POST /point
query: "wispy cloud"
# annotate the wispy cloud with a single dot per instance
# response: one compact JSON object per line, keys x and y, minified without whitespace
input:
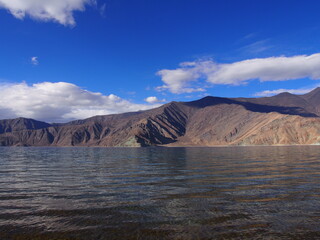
{"x":257,"y":47}
{"x":60,"y":102}
{"x":249,"y":36}
{"x":60,"y":11}
{"x":34,"y":61}
{"x":102,"y":10}
{"x":190,"y":75}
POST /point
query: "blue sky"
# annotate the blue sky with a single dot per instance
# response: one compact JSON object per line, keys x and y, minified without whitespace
{"x":114,"y":55}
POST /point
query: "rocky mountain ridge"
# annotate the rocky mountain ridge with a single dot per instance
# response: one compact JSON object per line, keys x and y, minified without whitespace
{"x":282,"y":119}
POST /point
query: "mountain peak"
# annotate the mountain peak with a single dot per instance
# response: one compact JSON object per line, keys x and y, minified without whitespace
{"x":313,"y":97}
{"x":18,"y":124}
{"x":209,"y":101}
{"x":314,"y":91}
{"x":284,"y":94}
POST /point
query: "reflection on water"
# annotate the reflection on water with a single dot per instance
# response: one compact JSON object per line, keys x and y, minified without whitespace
{"x":160,"y":193}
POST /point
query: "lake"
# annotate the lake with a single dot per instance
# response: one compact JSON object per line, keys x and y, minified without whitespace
{"x":160,"y":193}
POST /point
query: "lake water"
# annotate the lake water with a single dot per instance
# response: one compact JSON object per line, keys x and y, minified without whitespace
{"x":160,"y":193}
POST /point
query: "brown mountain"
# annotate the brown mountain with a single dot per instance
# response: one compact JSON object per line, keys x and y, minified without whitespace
{"x":18,"y":124}
{"x":282,"y":119}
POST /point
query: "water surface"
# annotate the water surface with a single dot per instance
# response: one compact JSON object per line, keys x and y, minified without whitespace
{"x":160,"y":193}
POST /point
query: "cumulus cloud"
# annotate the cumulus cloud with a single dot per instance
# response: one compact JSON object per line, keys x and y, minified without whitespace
{"x":60,"y":11}
{"x":34,"y":61}
{"x":153,"y":99}
{"x":180,"y":80}
{"x":59,"y":102}
{"x":268,"y":93}
{"x":281,"y":68}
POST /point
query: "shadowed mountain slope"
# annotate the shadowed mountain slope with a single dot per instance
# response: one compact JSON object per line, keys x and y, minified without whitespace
{"x":282,"y":119}
{"x":18,"y":124}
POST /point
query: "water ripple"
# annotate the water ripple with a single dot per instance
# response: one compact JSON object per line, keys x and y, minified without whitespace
{"x":160,"y":193}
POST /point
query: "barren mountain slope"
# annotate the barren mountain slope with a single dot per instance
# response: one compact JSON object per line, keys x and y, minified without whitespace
{"x":234,"y":125}
{"x":313,"y":99}
{"x":18,"y":124}
{"x":282,"y":119}
{"x":158,"y":126}
{"x":308,"y":103}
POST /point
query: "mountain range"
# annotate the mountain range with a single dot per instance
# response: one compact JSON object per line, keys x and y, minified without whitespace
{"x":283,"y":119}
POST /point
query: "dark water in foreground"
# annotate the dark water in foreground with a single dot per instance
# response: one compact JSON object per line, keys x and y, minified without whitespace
{"x":160,"y":193}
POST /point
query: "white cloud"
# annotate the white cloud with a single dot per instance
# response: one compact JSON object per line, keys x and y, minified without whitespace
{"x":59,"y":102}
{"x":268,"y":93}
{"x":179,"y":80}
{"x":60,"y":11}
{"x":153,"y":99}
{"x":282,"y":68}
{"x":34,"y":61}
